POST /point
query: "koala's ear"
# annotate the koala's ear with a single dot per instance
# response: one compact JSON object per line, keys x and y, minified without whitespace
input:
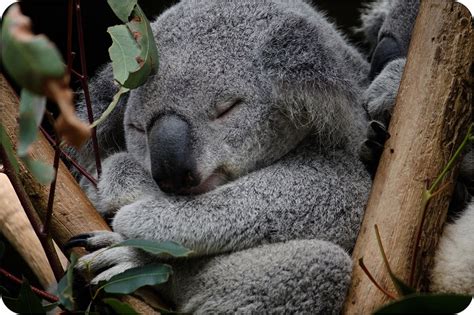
{"x":300,"y":48}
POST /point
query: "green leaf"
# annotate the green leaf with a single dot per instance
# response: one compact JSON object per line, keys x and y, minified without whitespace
{"x":122,"y":8}
{"x":119,"y":307}
{"x":111,"y":107}
{"x":132,"y":279}
{"x":26,"y":302}
{"x":427,"y":304}
{"x":156,"y":248}
{"x":64,"y":290}
{"x":123,"y":52}
{"x":402,"y":288}
{"x":44,"y":173}
{"x":7,"y":145}
{"x":32,"y":108}
{"x":30,"y":60}
{"x":139,"y":26}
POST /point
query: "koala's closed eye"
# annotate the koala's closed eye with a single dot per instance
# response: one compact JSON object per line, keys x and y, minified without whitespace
{"x":224,"y":109}
{"x":136,"y":128}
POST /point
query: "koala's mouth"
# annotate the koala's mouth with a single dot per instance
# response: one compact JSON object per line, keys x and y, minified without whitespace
{"x":216,"y":179}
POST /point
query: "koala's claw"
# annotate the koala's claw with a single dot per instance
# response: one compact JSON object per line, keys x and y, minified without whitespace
{"x":377,"y":132}
{"x":77,"y":241}
{"x":372,"y":148}
{"x":94,"y":240}
{"x":104,"y":261}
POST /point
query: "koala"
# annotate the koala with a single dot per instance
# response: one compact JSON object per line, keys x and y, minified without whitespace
{"x":244,"y":147}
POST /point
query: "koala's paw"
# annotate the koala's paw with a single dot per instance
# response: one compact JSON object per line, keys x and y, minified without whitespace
{"x":104,"y":261}
{"x":371,"y":149}
{"x":380,"y":97}
{"x":123,"y":182}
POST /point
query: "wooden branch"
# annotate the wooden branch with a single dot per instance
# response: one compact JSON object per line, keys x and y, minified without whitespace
{"x":430,"y":119}
{"x":73,"y":212}
{"x":16,"y":228}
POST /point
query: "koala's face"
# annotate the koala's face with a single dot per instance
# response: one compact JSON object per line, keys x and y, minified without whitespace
{"x":208,"y":116}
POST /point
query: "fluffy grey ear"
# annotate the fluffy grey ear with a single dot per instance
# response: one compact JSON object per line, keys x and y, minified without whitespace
{"x":306,"y":49}
{"x":393,"y":18}
{"x":315,"y":74}
{"x":372,"y":18}
{"x":399,"y":22}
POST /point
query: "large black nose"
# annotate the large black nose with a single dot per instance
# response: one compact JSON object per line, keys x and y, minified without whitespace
{"x":172,"y":163}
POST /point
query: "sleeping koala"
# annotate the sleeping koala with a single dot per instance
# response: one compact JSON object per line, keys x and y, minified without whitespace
{"x":244,"y":148}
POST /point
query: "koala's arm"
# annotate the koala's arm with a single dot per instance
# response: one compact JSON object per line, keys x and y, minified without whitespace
{"x":305,"y":195}
{"x":388,"y":26}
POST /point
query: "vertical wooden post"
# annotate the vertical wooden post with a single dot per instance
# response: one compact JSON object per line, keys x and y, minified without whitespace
{"x":430,"y":119}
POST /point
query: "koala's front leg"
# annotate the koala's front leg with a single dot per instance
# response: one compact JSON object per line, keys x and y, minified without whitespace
{"x":124,"y":181}
{"x":305,"y":195}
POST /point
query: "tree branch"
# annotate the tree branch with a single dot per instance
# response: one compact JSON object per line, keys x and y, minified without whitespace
{"x":430,"y":120}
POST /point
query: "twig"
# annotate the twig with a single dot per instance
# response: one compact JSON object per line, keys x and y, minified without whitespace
{"x":52,"y":192}
{"x":428,"y":194}
{"x":69,"y":36}
{"x":372,"y":279}
{"x":79,"y":168}
{"x":32,"y":215}
{"x":85,"y":86}
{"x":43,"y":294}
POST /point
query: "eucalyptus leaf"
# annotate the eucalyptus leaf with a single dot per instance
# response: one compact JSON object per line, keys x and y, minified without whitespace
{"x":135,"y":278}
{"x":427,"y":304}
{"x":26,"y":303}
{"x":123,"y":52}
{"x":7,"y":146}
{"x":139,"y":26}
{"x":32,"y":109}
{"x":44,"y":173}
{"x":156,"y":248}
{"x":120,"y":307}
{"x":64,"y":290}
{"x":122,"y":8}
{"x":30,"y":60}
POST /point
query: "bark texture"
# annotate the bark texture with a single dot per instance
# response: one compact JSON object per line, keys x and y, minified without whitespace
{"x":430,"y":120}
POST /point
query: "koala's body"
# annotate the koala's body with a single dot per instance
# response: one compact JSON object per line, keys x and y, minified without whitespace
{"x":244,"y":148}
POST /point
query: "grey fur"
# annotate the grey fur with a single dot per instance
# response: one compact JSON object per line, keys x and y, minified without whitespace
{"x":380,"y":97}
{"x":275,"y":232}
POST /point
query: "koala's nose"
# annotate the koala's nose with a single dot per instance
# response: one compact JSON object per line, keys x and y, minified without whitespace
{"x":172,"y":163}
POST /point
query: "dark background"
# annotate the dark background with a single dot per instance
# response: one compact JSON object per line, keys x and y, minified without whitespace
{"x":50,"y":17}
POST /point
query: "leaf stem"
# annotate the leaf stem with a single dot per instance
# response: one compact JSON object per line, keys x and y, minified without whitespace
{"x":43,"y":294}
{"x":79,"y":168}
{"x":111,"y":107}
{"x":428,"y":194}
{"x":85,"y":86}
{"x":372,"y":279}
{"x":452,"y":160}
{"x":52,"y":192}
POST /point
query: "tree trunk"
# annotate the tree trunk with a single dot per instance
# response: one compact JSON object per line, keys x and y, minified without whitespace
{"x":73,"y":212}
{"x":430,"y":119}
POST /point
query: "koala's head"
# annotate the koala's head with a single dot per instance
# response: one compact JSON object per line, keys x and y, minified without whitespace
{"x":210,"y":114}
